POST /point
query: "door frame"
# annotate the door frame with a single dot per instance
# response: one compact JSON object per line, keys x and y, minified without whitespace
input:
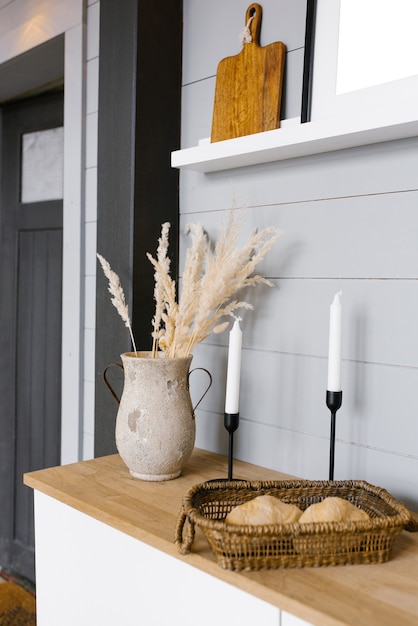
{"x":67,"y":20}
{"x":139,"y":125}
{"x":139,"y":25}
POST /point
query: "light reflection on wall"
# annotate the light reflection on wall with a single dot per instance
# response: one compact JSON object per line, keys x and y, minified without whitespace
{"x":37,"y":29}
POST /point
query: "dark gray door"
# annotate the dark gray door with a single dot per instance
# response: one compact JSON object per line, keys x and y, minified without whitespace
{"x":30,"y":313}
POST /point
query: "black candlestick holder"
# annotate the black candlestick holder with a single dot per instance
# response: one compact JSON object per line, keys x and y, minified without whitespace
{"x":231,"y":423}
{"x":334,"y":400}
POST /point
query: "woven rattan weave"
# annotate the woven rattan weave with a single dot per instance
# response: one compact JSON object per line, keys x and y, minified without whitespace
{"x":291,"y":545}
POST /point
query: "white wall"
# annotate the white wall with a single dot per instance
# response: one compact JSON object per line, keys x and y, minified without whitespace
{"x":350,"y":223}
{"x":92,"y":78}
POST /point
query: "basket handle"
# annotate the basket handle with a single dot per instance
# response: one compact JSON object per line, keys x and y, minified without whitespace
{"x":412,"y":526}
{"x":184,"y":524}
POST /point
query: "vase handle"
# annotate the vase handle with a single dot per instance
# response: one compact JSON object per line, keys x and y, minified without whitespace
{"x":107,"y":383}
{"x":207,"y":388}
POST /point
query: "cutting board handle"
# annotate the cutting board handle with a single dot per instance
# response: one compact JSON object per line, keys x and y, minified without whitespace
{"x":254,"y":13}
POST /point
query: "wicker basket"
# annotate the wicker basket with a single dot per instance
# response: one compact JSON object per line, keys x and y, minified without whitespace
{"x":291,"y":545}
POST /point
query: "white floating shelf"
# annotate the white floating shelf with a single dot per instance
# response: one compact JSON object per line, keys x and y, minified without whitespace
{"x":299,"y":140}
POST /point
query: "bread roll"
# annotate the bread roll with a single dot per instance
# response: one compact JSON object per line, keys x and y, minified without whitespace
{"x":333,"y":509}
{"x":264,"y":510}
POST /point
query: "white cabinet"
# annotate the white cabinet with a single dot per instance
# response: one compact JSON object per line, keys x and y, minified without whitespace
{"x":89,"y":573}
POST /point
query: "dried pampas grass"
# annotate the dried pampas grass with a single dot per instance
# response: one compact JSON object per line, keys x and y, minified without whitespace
{"x":118,"y":296}
{"x":212,"y":276}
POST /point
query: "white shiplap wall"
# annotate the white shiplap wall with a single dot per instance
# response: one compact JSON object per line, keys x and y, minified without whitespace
{"x":92,"y":107}
{"x":350,"y":220}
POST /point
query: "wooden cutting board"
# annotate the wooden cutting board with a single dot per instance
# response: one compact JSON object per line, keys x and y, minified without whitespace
{"x":249,"y":86}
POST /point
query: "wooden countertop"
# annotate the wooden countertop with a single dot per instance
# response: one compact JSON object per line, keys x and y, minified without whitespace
{"x":379,"y":594}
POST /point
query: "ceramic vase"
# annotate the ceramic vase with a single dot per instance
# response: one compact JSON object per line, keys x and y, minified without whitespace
{"x":155,"y":423}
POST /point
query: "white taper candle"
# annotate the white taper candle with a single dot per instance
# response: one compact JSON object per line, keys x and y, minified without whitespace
{"x":335,"y":341}
{"x":234,"y":369}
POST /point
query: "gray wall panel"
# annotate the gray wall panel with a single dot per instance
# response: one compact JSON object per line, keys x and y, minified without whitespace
{"x":287,"y":391}
{"x":376,"y":169}
{"x":350,"y":220}
{"x":213,"y":29}
{"x":359,"y":237}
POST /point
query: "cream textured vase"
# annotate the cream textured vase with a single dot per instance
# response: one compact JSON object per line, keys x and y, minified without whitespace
{"x":155,"y":424}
